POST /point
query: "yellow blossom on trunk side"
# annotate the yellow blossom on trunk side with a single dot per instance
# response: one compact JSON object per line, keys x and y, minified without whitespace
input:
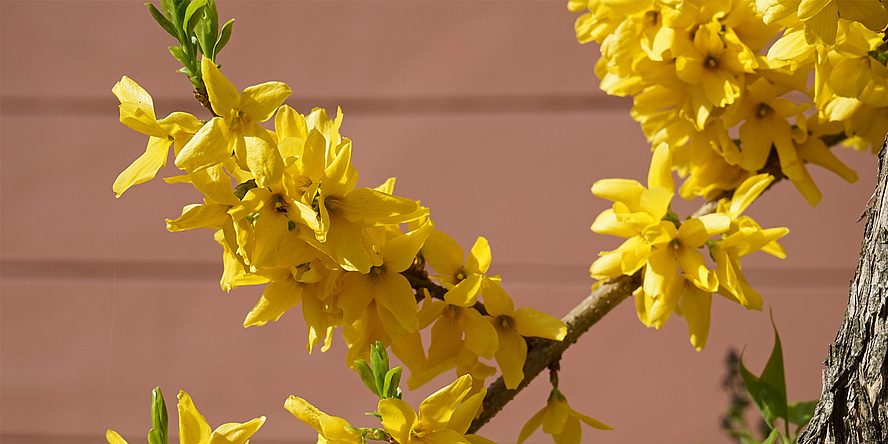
{"x":635,"y":209}
{"x":559,"y":420}
{"x":512,"y":326}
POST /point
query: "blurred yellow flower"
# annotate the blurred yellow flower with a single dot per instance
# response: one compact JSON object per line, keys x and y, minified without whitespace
{"x":559,"y":420}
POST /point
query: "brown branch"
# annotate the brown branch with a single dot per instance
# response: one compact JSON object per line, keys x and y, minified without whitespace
{"x":204,"y":98}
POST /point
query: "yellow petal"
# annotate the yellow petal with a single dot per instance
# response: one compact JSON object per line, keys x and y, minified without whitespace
{"x":210,"y":146}
{"x":871,"y":14}
{"x":303,"y":410}
{"x":748,"y":191}
{"x":443,"y":253}
{"x":607,"y":223}
{"x":619,"y":190}
{"x":223,"y":95}
{"x":279,"y":296}
{"x":263,"y":158}
{"x":660,"y":173}
{"x":394,"y":293}
{"x":399,"y":253}
{"x":366,"y":204}
{"x":464,"y":414}
{"x":693,"y":264}
{"x":592,"y":422}
{"x":530,"y":322}
{"x":236,"y":433}
{"x":555,"y":417}
{"x":398,"y":418}
{"x":695,"y":306}
{"x":193,"y":428}
{"x":141,"y":119}
{"x":145,"y":167}
{"x":571,"y":434}
{"x":481,"y":338}
{"x":465,"y":293}
{"x":436,"y":410}
{"x":479,"y":257}
{"x":128,"y":91}
{"x":496,"y":300}
{"x":261,"y":101}
{"x":114,"y":438}
{"x":693,"y":233}
{"x":510,"y":356}
{"x":199,"y":216}
{"x":531,"y":425}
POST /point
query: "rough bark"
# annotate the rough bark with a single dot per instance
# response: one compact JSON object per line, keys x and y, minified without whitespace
{"x":853,"y":405}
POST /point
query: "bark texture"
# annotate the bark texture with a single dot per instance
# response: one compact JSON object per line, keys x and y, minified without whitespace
{"x":853,"y":405}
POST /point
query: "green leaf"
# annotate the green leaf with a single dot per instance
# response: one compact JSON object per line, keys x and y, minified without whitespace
{"x":392,"y":379}
{"x":800,"y":413}
{"x":159,"y":419}
{"x":169,"y":8}
{"x":772,"y":437}
{"x":162,"y":21}
{"x":193,"y":13}
{"x":224,"y":35}
{"x":379,"y":363}
{"x":366,"y":375}
{"x":180,"y":55}
{"x":768,"y":391}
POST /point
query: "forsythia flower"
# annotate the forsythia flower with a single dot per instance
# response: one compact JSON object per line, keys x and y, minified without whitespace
{"x":137,"y":112}
{"x":559,"y":420}
{"x":511,"y":326}
{"x":236,"y":131}
{"x":435,"y":414}
{"x":462,"y":280}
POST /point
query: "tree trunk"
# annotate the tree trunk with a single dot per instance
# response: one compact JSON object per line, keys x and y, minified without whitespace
{"x":853,"y":406}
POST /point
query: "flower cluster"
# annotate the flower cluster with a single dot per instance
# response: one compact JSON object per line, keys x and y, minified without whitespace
{"x":676,"y":277}
{"x":287,"y":213}
{"x":705,"y":82}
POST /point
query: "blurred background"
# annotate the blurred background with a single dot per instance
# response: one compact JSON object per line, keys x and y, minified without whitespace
{"x":487,"y":111}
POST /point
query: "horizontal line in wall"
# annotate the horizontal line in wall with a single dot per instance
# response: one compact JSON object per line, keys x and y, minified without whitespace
{"x":27,"y":106}
{"x":831,"y":280}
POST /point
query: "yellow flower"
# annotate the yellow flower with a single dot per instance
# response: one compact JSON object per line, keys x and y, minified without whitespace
{"x":744,"y":237}
{"x":137,"y":112}
{"x":236,"y":130}
{"x":458,"y":326}
{"x":635,"y":208}
{"x":764,"y":117}
{"x":821,"y":18}
{"x":674,"y":259}
{"x":682,"y":297}
{"x":435,"y":414}
{"x":713,"y":66}
{"x":462,"y":280}
{"x":331,"y":429}
{"x":559,"y":420}
{"x":343,"y":212}
{"x":511,"y":326}
{"x":193,"y":428}
{"x":386,"y":285}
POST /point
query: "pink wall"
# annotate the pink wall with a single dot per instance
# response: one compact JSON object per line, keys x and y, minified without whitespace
{"x":488,"y":112}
